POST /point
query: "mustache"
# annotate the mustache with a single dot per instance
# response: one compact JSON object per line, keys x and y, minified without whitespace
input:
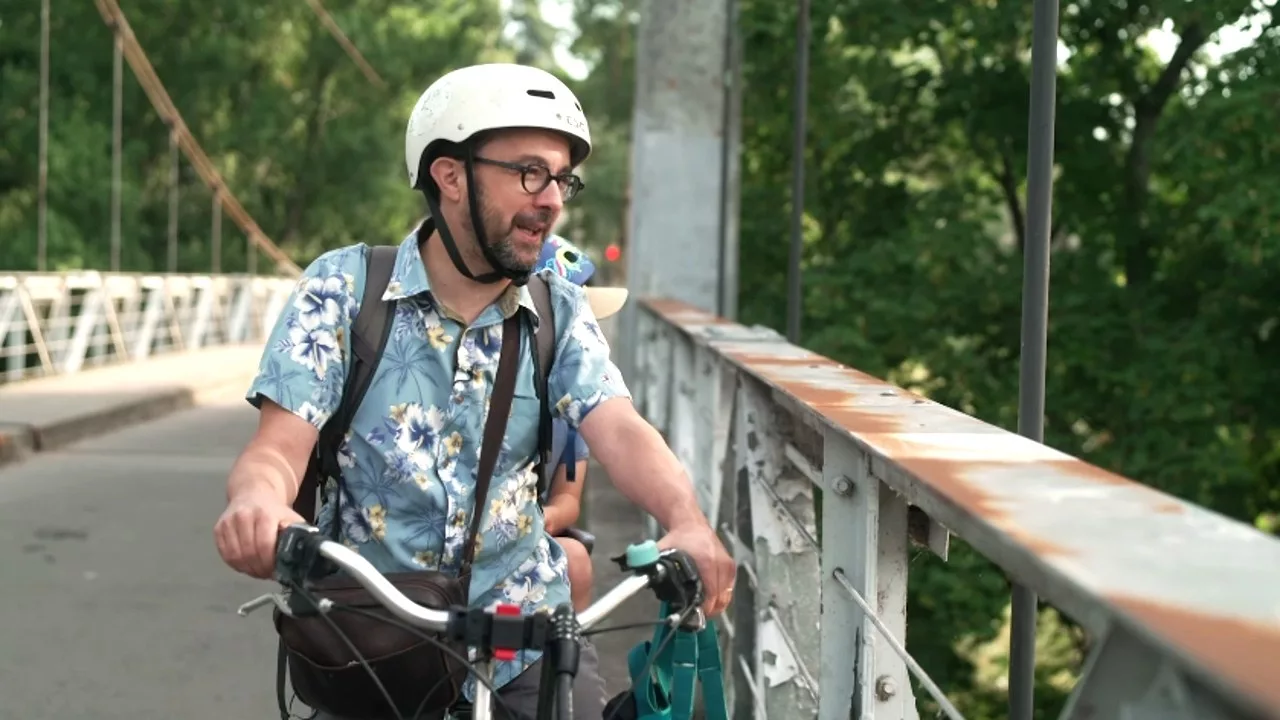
{"x":531,"y":220}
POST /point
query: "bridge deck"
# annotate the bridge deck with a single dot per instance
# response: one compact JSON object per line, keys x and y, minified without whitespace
{"x":117,"y":605}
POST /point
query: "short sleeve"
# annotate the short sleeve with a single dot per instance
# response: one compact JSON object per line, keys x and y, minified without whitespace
{"x":303,"y":362}
{"x":583,"y":376}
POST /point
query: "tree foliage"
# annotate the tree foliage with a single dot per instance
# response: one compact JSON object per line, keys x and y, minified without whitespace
{"x":309,"y":146}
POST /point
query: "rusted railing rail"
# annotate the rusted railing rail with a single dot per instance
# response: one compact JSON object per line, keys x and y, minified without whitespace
{"x":1182,"y":605}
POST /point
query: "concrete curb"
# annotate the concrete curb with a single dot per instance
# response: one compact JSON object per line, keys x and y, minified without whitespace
{"x":19,"y":442}
{"x":16,"y":443}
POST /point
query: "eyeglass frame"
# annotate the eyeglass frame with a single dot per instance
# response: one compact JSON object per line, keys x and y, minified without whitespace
{"x":569,"y":183}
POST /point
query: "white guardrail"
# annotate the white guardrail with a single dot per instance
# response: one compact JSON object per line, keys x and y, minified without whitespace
{"x":57,"y":323}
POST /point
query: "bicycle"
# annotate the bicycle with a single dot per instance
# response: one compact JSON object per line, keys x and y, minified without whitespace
{"x":304,"y":554}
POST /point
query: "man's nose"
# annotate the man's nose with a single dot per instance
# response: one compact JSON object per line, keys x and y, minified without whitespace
{"x":550,"y":197}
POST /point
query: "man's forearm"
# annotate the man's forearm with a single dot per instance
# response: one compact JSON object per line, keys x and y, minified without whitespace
{"x":260,"y":469}
{"x":640,"y":464}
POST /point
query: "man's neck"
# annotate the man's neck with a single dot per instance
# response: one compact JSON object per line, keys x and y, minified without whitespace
{"x":461,"y":295}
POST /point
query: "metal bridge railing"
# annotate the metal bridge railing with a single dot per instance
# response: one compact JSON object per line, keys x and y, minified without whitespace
{"x":1182,"y":606}
{"x":57,"y":323}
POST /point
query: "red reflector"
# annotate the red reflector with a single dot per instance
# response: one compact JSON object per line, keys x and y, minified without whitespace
{"x":506,"y":610}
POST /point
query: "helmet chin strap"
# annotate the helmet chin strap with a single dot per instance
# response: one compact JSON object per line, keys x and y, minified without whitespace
{"x":518,"y":277}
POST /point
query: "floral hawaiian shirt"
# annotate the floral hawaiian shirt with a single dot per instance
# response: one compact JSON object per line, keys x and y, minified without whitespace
{"x":409,"y":461}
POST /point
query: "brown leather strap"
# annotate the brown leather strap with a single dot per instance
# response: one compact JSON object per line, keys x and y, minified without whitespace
{"x":495,"y":427}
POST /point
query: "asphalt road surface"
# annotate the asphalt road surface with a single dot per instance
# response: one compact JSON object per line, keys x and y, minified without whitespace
{"x":115,"y":604}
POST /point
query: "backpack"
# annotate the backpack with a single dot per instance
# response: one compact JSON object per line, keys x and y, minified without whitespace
{"x":370,"y":330}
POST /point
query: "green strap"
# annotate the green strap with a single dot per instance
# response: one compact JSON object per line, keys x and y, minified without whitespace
{"x":684,"y":666}
{"x":710,"y":674}
{"x":689,"y":660}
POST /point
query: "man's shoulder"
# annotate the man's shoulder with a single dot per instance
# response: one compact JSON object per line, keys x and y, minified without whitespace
{"x":347,"y":262}
{"x":566,"y":298}
{"x":562,"y":291}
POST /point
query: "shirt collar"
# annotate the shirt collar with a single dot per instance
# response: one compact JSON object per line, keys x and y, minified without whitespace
{"x":409,"y":278}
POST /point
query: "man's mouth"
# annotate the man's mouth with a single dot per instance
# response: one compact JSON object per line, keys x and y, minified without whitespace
{"x":533,"y":231}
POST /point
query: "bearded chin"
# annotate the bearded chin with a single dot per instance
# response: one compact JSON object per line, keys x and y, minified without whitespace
{"x":504,"y":247}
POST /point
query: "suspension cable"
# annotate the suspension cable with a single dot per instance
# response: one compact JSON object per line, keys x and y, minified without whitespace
{"x":114,"y":17}
{"x":349,"y":47}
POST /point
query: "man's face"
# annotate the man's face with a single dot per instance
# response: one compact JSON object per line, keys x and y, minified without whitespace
{"x":517,"y":221}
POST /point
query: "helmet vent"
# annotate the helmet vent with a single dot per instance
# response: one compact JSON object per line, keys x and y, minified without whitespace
{"x":542,"y":94}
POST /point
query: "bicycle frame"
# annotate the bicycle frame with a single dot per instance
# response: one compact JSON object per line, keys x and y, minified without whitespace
{"x":671,"y":574}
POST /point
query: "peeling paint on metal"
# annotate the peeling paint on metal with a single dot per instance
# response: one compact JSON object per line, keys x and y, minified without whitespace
{"x":772,"y":526}
{"x":789,"y":489}
{"x":778,"y":665}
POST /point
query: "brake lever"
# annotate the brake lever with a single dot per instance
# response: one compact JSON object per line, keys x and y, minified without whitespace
{"x":263,"y":601}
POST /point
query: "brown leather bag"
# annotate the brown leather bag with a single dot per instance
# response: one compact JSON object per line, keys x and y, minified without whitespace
{"x":325,"y":665}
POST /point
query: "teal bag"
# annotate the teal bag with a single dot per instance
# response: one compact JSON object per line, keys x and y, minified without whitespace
{"x":689,"y":659}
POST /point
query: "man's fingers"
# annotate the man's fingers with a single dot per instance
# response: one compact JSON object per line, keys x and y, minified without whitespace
{"x":266,"y":531}
{"x":226,"y":542}
{"x":246,"y":536}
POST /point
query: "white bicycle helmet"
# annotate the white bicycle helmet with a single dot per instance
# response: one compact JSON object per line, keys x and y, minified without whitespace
{"x":476,"y":99}
{"x":493,"y":97}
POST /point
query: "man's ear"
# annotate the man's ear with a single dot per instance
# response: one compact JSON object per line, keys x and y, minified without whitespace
{"x":450,"y":178}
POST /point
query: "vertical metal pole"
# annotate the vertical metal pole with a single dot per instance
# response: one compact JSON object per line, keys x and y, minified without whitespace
{"x":217,"y":234}
{"x":675,"y":163}
{"x":1035,"y":319}
{"x":797,"y":171}
{"x":174,"y":179}
{"x":116,"y":152}
{"x":42,"y":183}
{"x":730,"y":121}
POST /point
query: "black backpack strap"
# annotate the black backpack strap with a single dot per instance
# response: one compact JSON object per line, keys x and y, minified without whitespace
{"x":544,"y":342}
{"x":369,"y":332}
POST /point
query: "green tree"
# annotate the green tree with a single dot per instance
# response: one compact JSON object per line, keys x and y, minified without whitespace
{"x":310,"y":147}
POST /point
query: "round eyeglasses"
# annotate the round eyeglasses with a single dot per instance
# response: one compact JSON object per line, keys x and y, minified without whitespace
{"x":535,"y":178}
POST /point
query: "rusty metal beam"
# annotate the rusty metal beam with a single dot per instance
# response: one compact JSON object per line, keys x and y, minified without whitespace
{"x":1109,"y":551}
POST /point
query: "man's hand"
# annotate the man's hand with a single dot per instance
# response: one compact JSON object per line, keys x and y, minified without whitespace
{"x":246,"y":533}
{"x":715,"y":565}
{"x":551,"y":520}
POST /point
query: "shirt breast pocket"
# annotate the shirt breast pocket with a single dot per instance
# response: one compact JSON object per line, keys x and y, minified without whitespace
{"x":522,"y":423}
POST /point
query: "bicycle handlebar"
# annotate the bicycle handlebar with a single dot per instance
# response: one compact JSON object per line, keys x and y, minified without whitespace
{"x":303,"y":554}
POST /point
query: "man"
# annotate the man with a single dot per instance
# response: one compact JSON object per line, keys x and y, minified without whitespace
{"x":562,"y":505}
{"x":492,"y":147}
